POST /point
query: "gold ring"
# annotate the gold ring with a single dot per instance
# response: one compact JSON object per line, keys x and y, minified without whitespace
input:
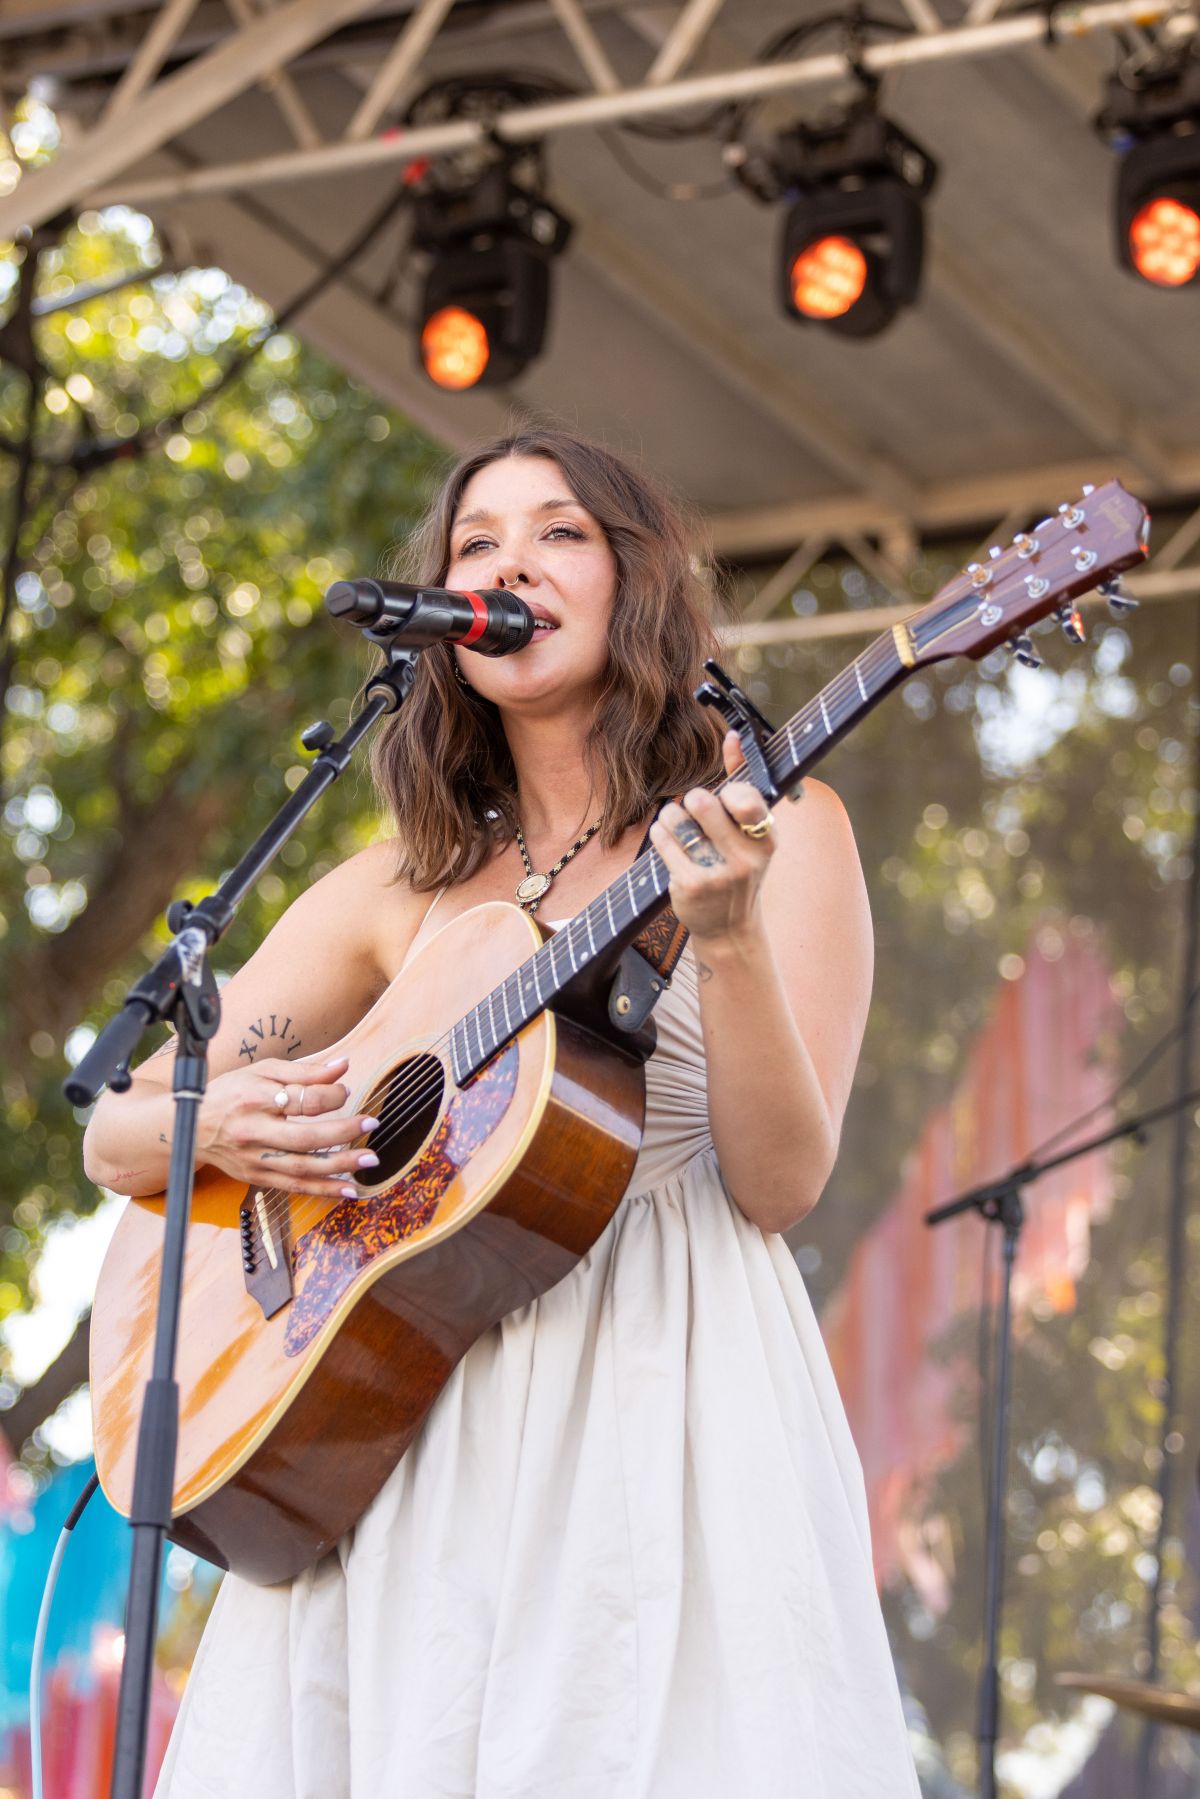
{"x":761,"y":826}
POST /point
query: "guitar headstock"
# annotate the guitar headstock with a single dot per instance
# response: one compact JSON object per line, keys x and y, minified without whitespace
{"x":1085,"y":545}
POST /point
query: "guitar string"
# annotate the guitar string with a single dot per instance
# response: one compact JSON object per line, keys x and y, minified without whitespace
{"x":412,"y":1096}
{"x":392,"y":1122}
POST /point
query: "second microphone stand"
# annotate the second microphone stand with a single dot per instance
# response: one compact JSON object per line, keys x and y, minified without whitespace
{"x":999,"y":1203}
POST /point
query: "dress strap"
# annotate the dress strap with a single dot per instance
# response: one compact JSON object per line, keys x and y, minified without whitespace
{"x":419,"y":934}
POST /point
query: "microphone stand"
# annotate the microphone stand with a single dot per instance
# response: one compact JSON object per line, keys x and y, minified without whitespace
{"x":180,"y":990}
{"x":999,"y":1202}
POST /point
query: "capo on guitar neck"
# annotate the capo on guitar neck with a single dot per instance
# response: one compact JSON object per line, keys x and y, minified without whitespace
{"x":743,"y":716}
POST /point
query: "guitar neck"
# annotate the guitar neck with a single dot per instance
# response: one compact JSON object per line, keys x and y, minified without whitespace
{"x":615,"y":917}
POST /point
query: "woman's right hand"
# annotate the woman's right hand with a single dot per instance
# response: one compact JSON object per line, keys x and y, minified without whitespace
{"x":248,"y":1133}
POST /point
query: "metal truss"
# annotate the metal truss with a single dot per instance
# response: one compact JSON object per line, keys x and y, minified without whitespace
{"x":263,"y":43}
{"x":1169,"y":577}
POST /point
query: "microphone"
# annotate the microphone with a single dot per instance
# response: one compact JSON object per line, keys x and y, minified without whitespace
{"x":494,"y":622}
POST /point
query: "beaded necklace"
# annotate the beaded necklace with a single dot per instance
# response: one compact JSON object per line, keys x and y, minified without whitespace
{"x":534,"y":886}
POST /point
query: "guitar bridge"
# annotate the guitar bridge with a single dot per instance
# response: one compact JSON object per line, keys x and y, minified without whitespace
{"x":263,"y":1227}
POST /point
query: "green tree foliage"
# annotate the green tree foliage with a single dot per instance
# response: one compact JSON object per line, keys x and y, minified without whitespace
{"x":168,"y":645}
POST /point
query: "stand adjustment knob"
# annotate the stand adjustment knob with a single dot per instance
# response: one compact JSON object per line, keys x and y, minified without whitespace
{"x":317,"y":737}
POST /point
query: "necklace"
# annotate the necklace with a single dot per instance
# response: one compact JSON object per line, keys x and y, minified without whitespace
{"x":534,"y":886}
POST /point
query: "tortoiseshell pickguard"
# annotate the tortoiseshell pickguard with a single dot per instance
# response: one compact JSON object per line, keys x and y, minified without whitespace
{"x":329,"y":1256}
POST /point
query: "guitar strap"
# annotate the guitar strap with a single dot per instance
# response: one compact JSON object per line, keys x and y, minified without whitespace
{"x":645,"y":970}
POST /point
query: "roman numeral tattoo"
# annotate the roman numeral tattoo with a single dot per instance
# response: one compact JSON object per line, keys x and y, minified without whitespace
{"x":269,"y":1030}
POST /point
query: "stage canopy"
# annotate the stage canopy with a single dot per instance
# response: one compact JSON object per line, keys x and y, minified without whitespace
{"x":261,"y":137}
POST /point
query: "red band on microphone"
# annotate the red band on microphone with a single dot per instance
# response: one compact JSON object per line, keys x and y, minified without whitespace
{"x":479,"y":608}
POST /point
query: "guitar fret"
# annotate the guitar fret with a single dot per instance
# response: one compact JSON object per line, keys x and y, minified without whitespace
{"x":787,"y":751}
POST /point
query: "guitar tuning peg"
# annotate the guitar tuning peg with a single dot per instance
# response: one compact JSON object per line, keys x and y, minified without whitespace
{"x":1119,"y":602}
{"x":1071,"y":620}
{"x":1023,"y":650}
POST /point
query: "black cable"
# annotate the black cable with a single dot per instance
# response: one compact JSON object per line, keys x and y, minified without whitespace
{"x":853,"y":24}
{"x":1123,"y":1085}
{"x":664,"y":190}
{"x":103,"y":452}
{"x":984,"y":1356}
{"x":19,"y":344}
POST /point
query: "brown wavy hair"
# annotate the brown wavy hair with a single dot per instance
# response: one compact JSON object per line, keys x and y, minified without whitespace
{"x":442,"y":765}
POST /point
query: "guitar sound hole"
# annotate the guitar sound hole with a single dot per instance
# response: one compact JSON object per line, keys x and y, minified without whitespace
{"x":407,"y":1104}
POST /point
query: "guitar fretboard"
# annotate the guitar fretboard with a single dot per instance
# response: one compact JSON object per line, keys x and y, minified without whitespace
{"x":618,"y":914}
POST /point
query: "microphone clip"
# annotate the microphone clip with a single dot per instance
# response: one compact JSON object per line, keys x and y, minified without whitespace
{"x":394,"y":681}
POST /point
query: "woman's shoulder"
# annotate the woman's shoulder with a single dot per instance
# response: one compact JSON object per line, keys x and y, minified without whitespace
{"x":366,"y":900}
{"x":816,"y":817}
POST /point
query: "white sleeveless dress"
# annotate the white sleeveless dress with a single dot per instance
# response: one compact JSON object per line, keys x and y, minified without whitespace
{"x":626,"y":1558}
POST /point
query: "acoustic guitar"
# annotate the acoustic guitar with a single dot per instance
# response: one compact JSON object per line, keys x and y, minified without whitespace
{"x":316,"y":1333}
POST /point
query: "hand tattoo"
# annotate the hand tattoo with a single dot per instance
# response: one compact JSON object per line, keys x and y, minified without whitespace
{"x":706,"y":854}
{"x":697,"y":845}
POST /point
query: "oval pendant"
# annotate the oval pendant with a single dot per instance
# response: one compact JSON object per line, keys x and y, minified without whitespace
{"x":532,"y":888}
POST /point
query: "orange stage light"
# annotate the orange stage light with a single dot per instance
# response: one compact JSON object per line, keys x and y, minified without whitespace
{"x":828,"y":277}
{"x":1164,"y":242}
{"x":454,"y":347}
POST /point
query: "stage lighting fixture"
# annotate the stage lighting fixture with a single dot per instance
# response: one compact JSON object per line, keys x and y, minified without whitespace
{"x":853,"y":235}
{"x":1154,"y":125}
{"x":486,"y":295}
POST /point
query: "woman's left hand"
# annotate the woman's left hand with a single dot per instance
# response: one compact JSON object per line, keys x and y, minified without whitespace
{"x":716,"y":868}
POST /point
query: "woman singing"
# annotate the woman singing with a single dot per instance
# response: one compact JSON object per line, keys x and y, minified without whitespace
{"x":627,"y":1555}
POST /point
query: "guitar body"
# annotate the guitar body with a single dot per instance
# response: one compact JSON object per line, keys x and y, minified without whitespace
{"x":316,"y":1334}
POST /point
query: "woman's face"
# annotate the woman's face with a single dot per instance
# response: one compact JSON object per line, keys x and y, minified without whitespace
{"x":518,"y":525}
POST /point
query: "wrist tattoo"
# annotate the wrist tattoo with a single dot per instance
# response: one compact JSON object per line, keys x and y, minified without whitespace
{"x":269,"y":1028}
{"x":703,"y":970}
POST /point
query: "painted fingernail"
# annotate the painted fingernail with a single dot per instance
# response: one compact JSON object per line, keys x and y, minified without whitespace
{"x":368,"y":1124}
{"x":336,"y":1061}
{"x":368,"y":1161}
{"x":348,"y":1192}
